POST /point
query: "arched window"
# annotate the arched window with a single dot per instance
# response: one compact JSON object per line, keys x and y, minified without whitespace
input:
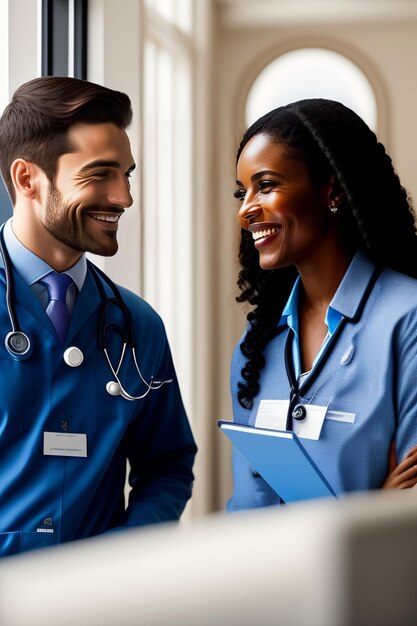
{"x":311,"y":73}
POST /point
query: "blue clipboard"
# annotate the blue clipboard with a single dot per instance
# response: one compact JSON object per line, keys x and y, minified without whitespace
{"x":282,"y":461}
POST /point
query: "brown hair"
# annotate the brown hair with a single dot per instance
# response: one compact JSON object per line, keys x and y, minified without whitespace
{"x":34,"y":126}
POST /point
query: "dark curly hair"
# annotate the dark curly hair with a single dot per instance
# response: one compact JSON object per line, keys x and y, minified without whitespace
{"x":377,"y":213}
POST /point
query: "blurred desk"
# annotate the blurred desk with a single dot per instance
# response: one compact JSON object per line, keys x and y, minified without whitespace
{"x":321,"y":563}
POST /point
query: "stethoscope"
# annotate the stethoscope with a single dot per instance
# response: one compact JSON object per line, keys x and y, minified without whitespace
{"x":19,"y":345}
{"x":299,"y":386}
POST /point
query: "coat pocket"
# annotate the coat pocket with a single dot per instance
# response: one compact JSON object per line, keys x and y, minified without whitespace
{"x":21,"y":541}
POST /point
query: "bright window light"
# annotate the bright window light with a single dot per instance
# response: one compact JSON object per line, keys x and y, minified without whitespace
{"x":311,"y":73}
{"x":176,"y":12}
{"x":167,"y":184}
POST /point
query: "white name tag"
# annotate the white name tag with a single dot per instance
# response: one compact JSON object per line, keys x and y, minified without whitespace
{"x":310,"y":427}
{"x":273,"y":414}
{"x":65,"y":444}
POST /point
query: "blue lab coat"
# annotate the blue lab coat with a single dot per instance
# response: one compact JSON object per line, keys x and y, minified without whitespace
{"x":45,"y":500}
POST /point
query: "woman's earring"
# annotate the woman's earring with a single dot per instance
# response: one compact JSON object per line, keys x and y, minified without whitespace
{"x":332,"y":206}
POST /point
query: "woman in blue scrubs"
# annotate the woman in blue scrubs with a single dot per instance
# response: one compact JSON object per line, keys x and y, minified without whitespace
{"x":328,"y":259}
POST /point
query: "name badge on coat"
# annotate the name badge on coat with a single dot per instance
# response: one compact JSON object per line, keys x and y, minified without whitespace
{"x":65,"y":444}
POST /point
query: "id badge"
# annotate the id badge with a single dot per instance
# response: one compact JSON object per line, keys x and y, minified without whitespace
{"x":273,"y":414}
{"x":65,"y":444}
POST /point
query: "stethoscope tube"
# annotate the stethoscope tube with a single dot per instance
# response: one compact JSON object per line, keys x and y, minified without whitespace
{"x":19,"y":346}
{"x":115,"y":387}
{"x":297,"y":410}
{"x":106,"y":303}
{"x":16,"y":341}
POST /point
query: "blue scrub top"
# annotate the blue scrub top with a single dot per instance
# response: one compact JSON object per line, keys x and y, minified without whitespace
{"x":44,"y":499}
{"x":369,"y":374}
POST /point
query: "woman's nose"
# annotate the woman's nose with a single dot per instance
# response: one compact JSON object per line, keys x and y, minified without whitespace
{"x":249,"y":211}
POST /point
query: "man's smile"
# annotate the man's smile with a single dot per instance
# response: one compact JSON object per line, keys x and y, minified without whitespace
{"x":105,"y":217}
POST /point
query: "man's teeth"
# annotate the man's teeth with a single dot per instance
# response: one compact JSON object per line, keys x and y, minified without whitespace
{"x":105,"y":218}
{"x":264,"y":233}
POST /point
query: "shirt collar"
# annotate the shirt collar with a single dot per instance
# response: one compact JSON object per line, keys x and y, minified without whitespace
{"x":289,"y":315}
{"x":32,"y":268}
{"x":345,"y":302}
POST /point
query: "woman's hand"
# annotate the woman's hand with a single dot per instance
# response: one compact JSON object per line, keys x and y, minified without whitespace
{"x":404,"y":475}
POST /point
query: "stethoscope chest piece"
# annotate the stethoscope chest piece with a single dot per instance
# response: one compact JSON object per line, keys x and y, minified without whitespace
{"x":73,"y":356}
{"x":299,"y":412}
{"x":113,"y":388}
{"x":18,"y":344}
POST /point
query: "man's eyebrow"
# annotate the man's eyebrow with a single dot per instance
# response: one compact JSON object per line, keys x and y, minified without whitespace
{"x":104,"y":163}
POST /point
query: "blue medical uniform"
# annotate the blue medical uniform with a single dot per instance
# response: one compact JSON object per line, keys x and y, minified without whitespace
{"x":46,"y":499}
{"x":368,"y":385}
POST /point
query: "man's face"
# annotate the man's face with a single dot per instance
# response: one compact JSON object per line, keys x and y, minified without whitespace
{"x":91,"y":189}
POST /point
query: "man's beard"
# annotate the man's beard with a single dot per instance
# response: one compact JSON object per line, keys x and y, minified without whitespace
{"x":70,"y":231}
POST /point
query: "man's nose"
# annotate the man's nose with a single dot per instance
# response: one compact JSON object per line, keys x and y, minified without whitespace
{"x":120,"y":194}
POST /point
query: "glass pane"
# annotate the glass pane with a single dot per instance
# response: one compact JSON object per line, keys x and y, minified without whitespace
{"x":164,"y":185}
{"x":311,"y":73}
{"x":159,"y":211}
{"x":184,"y":15}
{"x":166,"y":8}
{"x":177,"y":12}
{"x":150,"y":218}
{"x":167,"y":185}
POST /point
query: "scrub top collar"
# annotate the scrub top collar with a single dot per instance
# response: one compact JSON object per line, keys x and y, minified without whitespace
{"x":32,"y":268}
{"x":345,"y":303}
{"x":290,"y":313}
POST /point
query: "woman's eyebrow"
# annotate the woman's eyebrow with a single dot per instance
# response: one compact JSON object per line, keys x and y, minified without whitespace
{"x":258,"y":175}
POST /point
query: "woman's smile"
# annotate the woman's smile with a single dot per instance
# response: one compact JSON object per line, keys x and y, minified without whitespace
{"x":264,"y":233}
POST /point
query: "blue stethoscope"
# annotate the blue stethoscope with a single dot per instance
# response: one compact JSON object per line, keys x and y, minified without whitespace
{"x":19,"y":345}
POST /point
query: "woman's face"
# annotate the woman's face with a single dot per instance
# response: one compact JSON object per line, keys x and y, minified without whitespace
{"x":286,"y":213}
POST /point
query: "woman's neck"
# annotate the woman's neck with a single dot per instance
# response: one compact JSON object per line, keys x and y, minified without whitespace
{"x":321,"y":278}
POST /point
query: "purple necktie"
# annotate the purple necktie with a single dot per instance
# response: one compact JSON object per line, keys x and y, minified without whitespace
{"x":57,"y":309}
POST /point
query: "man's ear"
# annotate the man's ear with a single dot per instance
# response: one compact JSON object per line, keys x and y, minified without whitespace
{"x":26,"y":177}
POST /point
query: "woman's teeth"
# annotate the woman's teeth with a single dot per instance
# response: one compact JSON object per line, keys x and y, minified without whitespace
{"x":264,"y":233}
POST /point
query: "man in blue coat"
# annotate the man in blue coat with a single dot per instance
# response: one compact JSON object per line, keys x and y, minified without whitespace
{"x":86,"y":375}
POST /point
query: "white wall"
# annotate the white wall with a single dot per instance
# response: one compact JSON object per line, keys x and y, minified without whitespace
{"x":19,"y":60}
